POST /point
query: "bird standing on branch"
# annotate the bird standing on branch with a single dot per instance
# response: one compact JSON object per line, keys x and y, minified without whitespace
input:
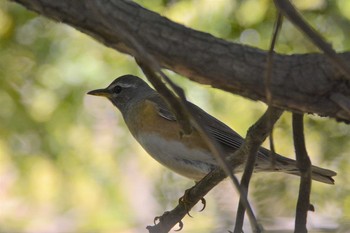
{"x":153,"y":124}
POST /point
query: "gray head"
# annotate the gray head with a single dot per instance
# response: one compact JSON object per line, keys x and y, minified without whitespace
{"x":125,"y":90}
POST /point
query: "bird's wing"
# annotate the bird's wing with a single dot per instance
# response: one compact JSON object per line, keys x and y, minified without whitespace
{"x":162,"y":108}
{"x":217,"y":129}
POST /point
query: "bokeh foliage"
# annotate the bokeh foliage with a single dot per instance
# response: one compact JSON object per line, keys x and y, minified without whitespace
{"x":67,"y":162}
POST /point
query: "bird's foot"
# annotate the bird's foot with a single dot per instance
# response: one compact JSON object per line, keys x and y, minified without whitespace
{"x":159,"y":219}
{"x":185,"y":201}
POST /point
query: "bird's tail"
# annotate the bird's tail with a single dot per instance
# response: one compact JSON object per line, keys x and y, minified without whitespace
{"x":317,"y":173}
{"x":289,"y":166}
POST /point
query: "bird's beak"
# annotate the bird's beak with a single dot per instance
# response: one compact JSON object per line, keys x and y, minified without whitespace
{"x":100,"y":92}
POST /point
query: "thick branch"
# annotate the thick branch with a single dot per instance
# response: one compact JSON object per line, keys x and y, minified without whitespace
{"x":302,"y":83}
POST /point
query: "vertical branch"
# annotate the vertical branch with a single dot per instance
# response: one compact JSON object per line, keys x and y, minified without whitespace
{"x":249,"y":168}
{"x":268,"y":75}
{"x":269,"y":63}
{"x":304,"y":166}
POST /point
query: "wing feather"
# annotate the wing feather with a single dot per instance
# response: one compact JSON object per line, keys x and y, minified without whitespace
{"x":218,"y":130}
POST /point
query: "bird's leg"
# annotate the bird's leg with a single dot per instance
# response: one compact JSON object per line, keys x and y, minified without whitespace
{"x":184,"y":200}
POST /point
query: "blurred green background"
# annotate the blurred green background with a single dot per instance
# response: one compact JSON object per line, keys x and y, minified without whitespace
{"x":68,"y":163}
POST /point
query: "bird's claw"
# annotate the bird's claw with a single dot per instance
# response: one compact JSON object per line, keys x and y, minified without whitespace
{"x":204,"y":202}
{"x":156,"y":219}
{"x":181,"y":225}
{"x":160,"y":218}
{"x":185,"y":202}
{"x":182,"y":200}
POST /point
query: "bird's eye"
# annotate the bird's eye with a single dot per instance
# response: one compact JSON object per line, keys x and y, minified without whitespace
{"x":117,"y":89}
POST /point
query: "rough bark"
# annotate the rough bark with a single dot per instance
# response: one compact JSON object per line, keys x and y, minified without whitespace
{"x":305,"y":83}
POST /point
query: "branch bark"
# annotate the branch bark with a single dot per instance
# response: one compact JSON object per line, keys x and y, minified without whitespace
{"x":304,"y":83}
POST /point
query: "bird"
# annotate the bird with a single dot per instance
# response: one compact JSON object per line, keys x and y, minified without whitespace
{"x":153,"y":124}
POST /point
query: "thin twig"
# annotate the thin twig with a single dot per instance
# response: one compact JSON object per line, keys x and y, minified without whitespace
{"x":269,"y":62}
{"x":268,"y":77}
{"x":304,"y":165}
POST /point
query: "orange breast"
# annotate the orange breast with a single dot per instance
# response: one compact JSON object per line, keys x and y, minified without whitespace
{"x":187,"y":155}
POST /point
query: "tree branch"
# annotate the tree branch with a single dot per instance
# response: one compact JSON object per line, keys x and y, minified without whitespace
{"x":304,"y":166}
{"x":286,"y":8}
{"x":208,"y":60}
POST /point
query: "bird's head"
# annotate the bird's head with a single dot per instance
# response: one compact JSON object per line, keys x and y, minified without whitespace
{"x":124,"y":91}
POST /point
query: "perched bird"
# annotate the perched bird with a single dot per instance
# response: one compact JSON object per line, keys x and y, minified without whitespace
{"x":153,"y":124}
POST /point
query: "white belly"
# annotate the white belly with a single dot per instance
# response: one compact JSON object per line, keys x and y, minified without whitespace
{"x":189,"y":162}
